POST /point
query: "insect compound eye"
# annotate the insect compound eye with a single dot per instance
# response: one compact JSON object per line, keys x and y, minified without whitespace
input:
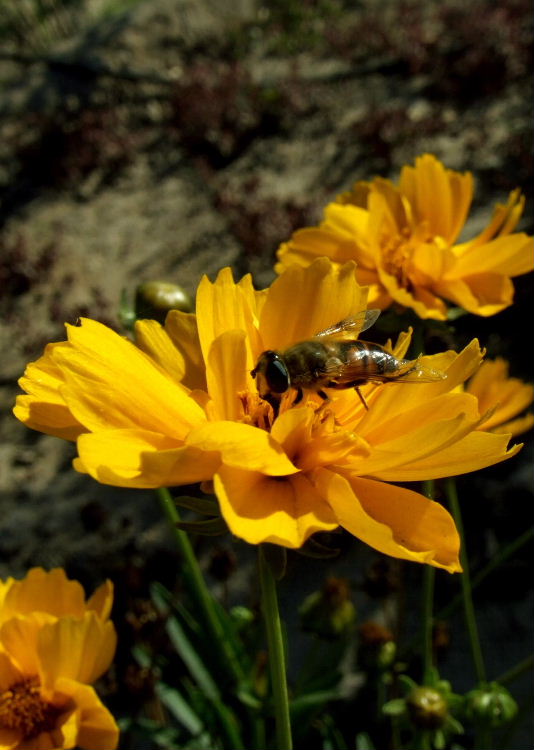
{"x":276,"y":375}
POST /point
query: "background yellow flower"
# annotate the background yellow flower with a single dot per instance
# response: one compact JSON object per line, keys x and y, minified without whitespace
{"x":404,"y":239}
{"x":53,"y":645}
{"x":503,"y":397}
{"x":145,"y":418}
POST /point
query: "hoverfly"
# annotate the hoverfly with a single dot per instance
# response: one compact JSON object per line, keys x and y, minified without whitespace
{"x":334,"y":358}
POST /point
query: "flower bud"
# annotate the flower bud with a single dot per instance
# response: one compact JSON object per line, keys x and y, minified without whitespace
{"x":427,"y":707}
{"x":491,"y":705}
{"x":154,"y":299}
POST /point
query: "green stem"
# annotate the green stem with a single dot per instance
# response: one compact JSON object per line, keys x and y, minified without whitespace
{"x":197,"y":587}
{"x":514,"y":672}
{"x":501,"y":556}
{"x":428,"y":622}
{"x":277,"y":661}
{"x":429,"y":577}
{"x":467,"y":593}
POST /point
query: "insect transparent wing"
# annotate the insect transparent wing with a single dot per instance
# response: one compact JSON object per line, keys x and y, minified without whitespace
{"x":351,"y":326}
{"x":412,"y":371}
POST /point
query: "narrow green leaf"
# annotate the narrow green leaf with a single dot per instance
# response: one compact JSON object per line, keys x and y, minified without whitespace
{"x":191,"y":659}
{"x":179,"y":708}
{"x":311,"y":700}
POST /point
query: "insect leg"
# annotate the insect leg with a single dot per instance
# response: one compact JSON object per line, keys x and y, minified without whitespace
{"x":298,"y":397}
{"x":360,"y":394}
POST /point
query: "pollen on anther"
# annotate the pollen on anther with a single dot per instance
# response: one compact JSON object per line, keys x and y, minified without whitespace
{"x":23,"y":709}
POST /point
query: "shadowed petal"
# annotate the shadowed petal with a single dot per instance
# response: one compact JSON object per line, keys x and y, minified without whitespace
{"x":90,"y":725}
{"x":80,"y":649}
{"x":284,"y":510}
{"x":473,"y":452}
{"x":393,"y":520}
{"x":325,"y":296}
{"x":138,"y":458}
{"x":227,"y":375}
{"x":242,"y":446}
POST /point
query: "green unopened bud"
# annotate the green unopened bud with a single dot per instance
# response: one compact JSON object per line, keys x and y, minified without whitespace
{"x":154,"y":299}
{"x":328,"y":612}
{"x":427,"y":707}
{"x":491,"y":705}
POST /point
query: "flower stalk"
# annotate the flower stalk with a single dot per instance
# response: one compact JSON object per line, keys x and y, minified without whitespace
{"x":429,"y":577}
{"x":277,"y":660}
{"x":197,"y":586}
{"x":467,"y":594}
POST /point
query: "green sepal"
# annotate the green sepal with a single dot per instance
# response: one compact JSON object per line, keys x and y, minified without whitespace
{"x":209,"y":527}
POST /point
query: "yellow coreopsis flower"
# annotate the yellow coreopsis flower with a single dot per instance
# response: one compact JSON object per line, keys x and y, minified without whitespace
{"x":53,"y":645}
{"x":181,"y":406}
{"x":502,"y":397}
{"x":404,"y":239}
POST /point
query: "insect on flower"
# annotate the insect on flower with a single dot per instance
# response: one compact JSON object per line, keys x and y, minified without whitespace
{"x":334,"y":358}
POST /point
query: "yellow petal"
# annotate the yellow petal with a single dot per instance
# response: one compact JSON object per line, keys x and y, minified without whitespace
{"x":52,"y":419}
{"x":90,"y":725}
{"x":101,"y":601}
{"x":301,"y":302}
{"x":393,"y":520}
{"x":515,"y":426}
{"x":473,"y":452}
{"x":284,"y":510}
{"x":111,"y":383}
{"x":80,"y":649}
{"x":45,"y":409}
{"x":42,"y":591}
{"x":504,"y":220}
{"x":183,"y":332}
{"x":227,"y":374}
{"x":395,"y":459}
{"x":397,"y":399}
{"x":242,"y":446}
{"x":18,"y":638}
{"x":416,"y":414}
{"x":483,"y":294}
{"x":423,"y":301}
{"x":153,"y":339}
{"x":510,"y":255}
{"x":508,"y":399}
{"x":137,"y":458}
{"x":226,"y":306}
{"x":9,"y":674}
{"x":439,"y":196}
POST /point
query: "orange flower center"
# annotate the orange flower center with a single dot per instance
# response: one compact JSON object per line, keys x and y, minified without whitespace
{"x":256,"y":411}
{"x":22,"y":708}
{"x":259,"y":413}
{"x":397,"y":255}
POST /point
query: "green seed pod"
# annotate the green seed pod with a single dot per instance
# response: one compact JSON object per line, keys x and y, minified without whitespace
{"x":427,"y":707}
{"x":154,"y":299}
{"x":490,"y":705}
